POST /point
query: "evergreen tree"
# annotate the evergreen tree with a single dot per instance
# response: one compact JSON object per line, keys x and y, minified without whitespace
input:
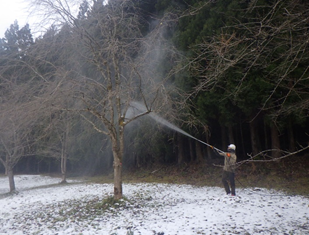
{"x":16,"y":41}
{"x":246,"y":57}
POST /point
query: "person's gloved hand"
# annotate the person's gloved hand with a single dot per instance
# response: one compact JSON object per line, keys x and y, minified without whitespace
{"x":214,"y":149}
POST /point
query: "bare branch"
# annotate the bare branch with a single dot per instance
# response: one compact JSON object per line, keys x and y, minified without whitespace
{"x":271,"y":159}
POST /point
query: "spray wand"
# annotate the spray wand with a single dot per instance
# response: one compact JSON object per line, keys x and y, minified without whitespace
{"x":218,"y":150}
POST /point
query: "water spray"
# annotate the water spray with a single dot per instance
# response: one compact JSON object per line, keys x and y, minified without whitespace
{"x":166,"y":123}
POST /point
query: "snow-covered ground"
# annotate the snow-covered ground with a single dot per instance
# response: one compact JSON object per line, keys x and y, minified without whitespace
{"x":78,"y":208}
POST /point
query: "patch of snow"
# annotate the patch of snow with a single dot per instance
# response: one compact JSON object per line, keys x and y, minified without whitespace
{"x":28,"y":181}
{"x":148,"y":209}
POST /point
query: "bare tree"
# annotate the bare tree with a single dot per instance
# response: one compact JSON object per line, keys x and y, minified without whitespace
{"x":58,"y":139}
{"x":21,"y":108}
{"x":19,"y":115}
{"x":31,"y":92}
{"x":113,"y":64}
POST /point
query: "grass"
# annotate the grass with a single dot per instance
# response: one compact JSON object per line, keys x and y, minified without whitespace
{"x":289,"y":175}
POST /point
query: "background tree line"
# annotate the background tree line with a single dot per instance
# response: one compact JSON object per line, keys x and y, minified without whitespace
{"x":224,"y":71}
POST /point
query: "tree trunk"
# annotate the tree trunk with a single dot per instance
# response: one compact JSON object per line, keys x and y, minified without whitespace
{"x":6,"y":163}
{"x":209,"y":152}
{"x":11,"y":179}
{"x":275,"y":141}
{"x":192,"y":155}
{"x":199,"y":152}
{"x":223,"y":138}
{"x":63,"y":167}
{"x":64,"y":156}
{"x":64,"y":137}
{"x":117,"y":179}
{"x":118,"y":148}
{"x":254,"y":138}
{"x":180,"y":149}
{"x":137,"y":160}
{"x":292,"y":146}
{"x":266,"y":135}
{"x":9,"y":172}
{"x":231,"y":135}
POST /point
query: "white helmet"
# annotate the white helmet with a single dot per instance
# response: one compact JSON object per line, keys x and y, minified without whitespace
{"x":232,"y":147}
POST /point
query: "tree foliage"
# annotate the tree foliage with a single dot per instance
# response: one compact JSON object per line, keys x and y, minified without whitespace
{"x":250,"y":63}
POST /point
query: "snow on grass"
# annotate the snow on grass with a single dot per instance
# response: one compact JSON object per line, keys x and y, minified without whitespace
{"x":147,"y":208}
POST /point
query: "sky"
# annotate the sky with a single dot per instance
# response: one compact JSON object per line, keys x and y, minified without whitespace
{"x":11,"y":10}
{"x":150,"y":208}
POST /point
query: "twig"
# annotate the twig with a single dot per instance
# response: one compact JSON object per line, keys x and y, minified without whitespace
{"x":251,"y":159}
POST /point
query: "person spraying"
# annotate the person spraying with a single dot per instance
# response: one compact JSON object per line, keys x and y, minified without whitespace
{"x":228,"y":176}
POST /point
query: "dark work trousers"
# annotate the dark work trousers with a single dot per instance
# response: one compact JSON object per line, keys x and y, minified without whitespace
{"x":229,"y":177}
